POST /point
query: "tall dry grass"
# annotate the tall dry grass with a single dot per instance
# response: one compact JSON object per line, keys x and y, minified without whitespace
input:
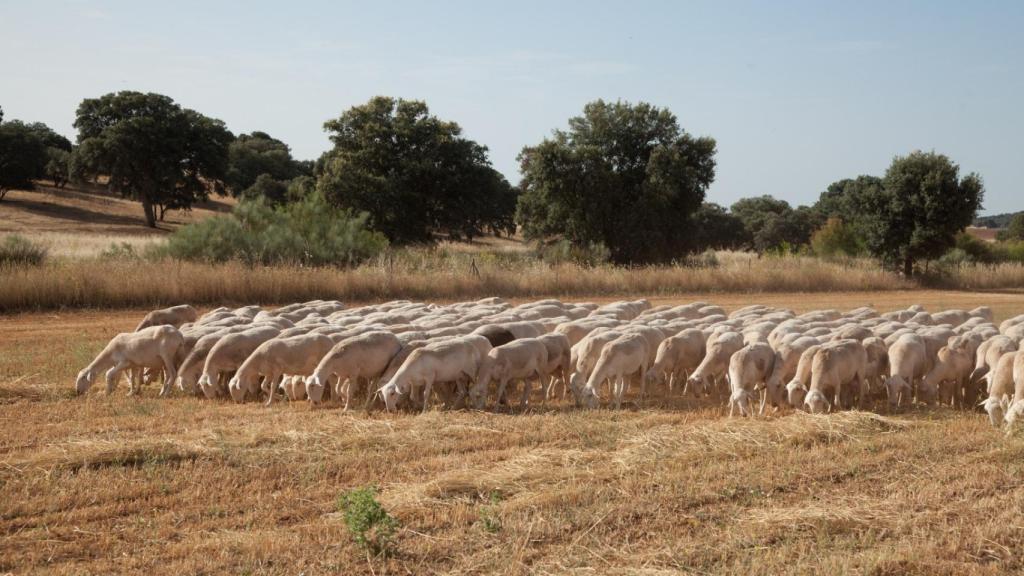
{"x":127,"y":283}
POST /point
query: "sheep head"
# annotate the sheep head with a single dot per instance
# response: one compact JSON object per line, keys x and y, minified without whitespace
{"x":84,"y":381}
{"x":741,"y":399}
{"x":816,"y":402}
{"x":391,"y":395}
{"x":236,"y":389}
{"x":795,"y":392}
{"x":314,"y":389}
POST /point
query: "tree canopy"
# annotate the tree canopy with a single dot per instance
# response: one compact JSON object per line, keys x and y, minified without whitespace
{"x":622,"y":175}
{"x":23,"y":156}
{"x":771,"y":223}
{"x":153,"y":150}
{"x":413,"y":173}
{"x":922,"y":205}
{"x":253,"y":155}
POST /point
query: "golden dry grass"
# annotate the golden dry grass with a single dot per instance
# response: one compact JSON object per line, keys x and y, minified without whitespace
{"x":128,"y":485}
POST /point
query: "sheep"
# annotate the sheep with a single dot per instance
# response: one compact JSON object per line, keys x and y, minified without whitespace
{"x":520,"y":359}
{"x":173,"y":316}
{"x":298,"y":355}
{"x":584,"y":356}
{"x":716,"y":360}
{"x":228,"y":354}
{"x":620,"y":359}
{"x":796,"y":389}
{"x":748,"y":367}
{"x":676,"y":357}
{"x":907,"y":363}
{"x":1000,"y":388}
{"x":950,"y":376}
{"x":446,"y":361}
{"x":1010,"y":323}
{"x":988,"y":353}
{"x":559,"y":358}
{"x":835,"y":367}
{"x":495,"y":334}
{"x":191,"y":368}
{"x":787,"y":360}
{"x":148,"y":347}
{"x":365,"y":356}
{"x":1016,"y":409}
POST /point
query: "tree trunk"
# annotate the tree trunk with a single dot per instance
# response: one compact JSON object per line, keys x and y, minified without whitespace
{"x":147,"y":208}
{"x":908,"y":266}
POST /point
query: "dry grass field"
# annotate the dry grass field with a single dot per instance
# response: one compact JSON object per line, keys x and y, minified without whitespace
{"x":113,"y":484}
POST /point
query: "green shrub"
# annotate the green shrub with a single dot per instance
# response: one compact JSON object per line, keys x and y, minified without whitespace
{"x":837,"y":239}
{"x":309,"y":233}
{"x":563,"y":251}
{"x":17,"y":250}
{"x":370,"y":524}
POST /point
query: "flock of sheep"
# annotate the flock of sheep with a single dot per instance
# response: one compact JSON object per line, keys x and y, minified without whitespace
{"x":406,"y":353}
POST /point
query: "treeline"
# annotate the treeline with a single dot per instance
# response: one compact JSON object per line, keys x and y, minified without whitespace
{"x":623,"y":181}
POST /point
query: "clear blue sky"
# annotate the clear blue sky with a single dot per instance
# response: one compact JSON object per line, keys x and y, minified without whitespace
{"x":797,"y":94}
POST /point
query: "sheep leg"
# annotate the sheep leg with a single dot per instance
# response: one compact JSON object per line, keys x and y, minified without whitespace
{"x":170,"y":374}
{"x":526,"y":394}
{"x":427,"y":389}
{"x":270,"y":386}
{"x":113,"y":374}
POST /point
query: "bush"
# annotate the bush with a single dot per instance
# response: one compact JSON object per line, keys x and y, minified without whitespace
{"x":17,"y":250}
{"x":836,"y":239}
{"x":563,"y":251}
{"x":370,"y":524}
{"x":307,"y":233}
{"x":975,"y":249}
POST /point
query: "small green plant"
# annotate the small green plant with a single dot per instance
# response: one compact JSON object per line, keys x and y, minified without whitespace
{"x":119,"y":251}
{"x":370,"y":524}
{"x":489,"y":514}
{"x":17,"y":250}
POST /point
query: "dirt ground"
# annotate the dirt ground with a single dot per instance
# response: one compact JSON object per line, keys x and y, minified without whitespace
{"x":111,"y":484}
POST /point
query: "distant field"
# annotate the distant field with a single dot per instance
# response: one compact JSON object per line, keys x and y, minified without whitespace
{"x":115,"y":484}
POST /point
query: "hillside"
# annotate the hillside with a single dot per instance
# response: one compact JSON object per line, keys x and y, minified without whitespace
{"x":86,"y":218}
{"x":995,"y":221}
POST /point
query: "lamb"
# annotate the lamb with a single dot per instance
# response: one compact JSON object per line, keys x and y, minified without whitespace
{"x":748,"y":367}
{"x":149,"y":347}
{"x":908,"y":363}
{"x":365,"y":356}
{"x":521,"y":359}
{"x":835,"y":367}
{"x":1000,"y":389}
{"x":228,"y":354}
{"x":298,"y":355}
{"x":173,"y":316}
{"x":716,"y":360}
{"x":446,"y":361}
{"x":620,"y":359}
{"x":677,"y":356}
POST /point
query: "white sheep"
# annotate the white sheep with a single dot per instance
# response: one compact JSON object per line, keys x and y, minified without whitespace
{"x":837,"y":371}
{"x":151,"y":347}
{"x":713,"y":368}
{"x":364,"y":357}
{"x":298,"y":355}
{"x":446,"y":361}
{"x":521,"y":359}
{"x":908,"y":362}
{"x":173,"y":316}
{"x":748,"y":367}
{"x":796,"y":389}
{"x":228,"y":354}
{"x":676,"y":357}
{"x":1000,"y":389}
{"x":620,"y":359}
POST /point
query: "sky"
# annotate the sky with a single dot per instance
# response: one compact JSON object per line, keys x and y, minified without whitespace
{"x":796,"y":94}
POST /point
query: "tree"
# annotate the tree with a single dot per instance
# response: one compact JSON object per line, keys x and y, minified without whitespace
{"x":252,"y":155}
{"x":413,"y":173}
{"x":921,"y":207}
{"x":1015,"y":229}
{"x":153,"y":150}
{"x":771,"y":223}
{"x":844,"y":199}
{"x":49,"y":138}
{"x":22,"y":156}
{"x":58,"y":166}
{"x":623,"y":175}
{"x":717,"y":229}
{"x":275,"y":191}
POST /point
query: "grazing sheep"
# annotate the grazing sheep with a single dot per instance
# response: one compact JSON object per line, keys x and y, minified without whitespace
{"x":620,"y":359}
{"x":173,"y":316}
{"x":676,"y":357}
{"x":950,"y":376}
{"x":446,"y":361}
{"x":837,"y":371}
{"x":719,"y":350}
{"x":495,"y":334}
{"x":149,"y":347}
{"x":585,"y":354}
{"x":908,"y":363}
{"x":365,"y":357}
{"x":298,"y":355}
{"x":988,"y":353}
{"x":520,"y":359}
{"x":787,"y":359}
{"x":1016,"y":409}
{"x":748,"y":367}
{"x":1000,"y":389}
{"x":796,"y":389}
{"x":191,"y":368}
{"x":228,"y":354}
{"x":559,"y":358}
